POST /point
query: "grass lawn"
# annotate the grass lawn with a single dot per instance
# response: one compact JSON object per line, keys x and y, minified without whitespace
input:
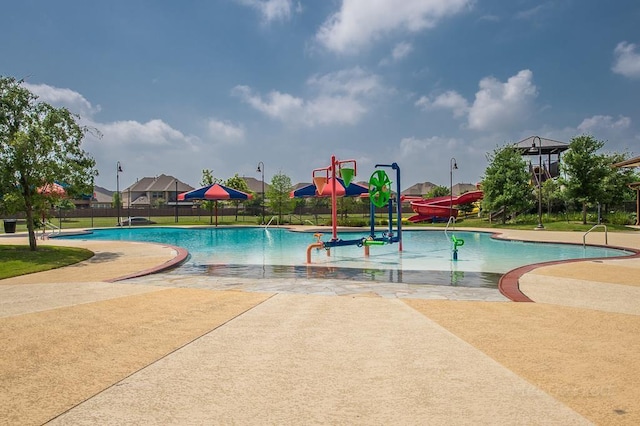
{"x":18,"y":260}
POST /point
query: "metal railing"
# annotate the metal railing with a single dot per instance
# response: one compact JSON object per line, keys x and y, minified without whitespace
{"x":606,"y":236}
{"x":271,"y":220}
{"x":452,"y":220}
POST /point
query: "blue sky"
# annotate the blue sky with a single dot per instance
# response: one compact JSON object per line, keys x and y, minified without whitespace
{"x":177,"y":87}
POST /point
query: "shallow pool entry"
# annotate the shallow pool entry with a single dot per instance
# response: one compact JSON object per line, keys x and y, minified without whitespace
{"x":323,"y":272}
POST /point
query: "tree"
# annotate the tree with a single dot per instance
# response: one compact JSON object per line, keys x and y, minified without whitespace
{"x":616,"y":189}
{"x":506,"y":183}
{"x":585,"y":171}
{"x":438,"y":191}
{"x":238,"y":183}
{"x":208,"y":179}
{"x":278,"y":195}
{"x":39,"y":146}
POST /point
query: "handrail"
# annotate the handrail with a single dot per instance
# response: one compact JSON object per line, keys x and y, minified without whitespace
{"x":271,"y":220}
{"x":50,"y":226}
{"x":452,"y":219}
{"x":606,"y":237}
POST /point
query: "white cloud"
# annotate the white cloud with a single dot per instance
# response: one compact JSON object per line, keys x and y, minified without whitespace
{"x":411,"y":147}
{"x":401,"y":50}
{"x":340,"y":99}
{"x":67,"y":98}
{"x":503,"y":105}
{"x":152,"y":134}
{"x":449,"y":100}
{"x":497,"y":106}
{"x":272,"y":10}
{"x":604,"y":123}
{"x":361,"y":22}
{"x":627,"y":60}
{"x":277,"y":105}
{"x":225,"y":132}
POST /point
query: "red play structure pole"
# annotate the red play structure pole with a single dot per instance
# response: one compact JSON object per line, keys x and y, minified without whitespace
{"x":334,"y":199}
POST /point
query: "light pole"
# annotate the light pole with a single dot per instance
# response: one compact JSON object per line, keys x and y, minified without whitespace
{"x":261,"y":170}
{"x":453,"y":165}
{"x":118,"y":171}
{"x":533,"y":147}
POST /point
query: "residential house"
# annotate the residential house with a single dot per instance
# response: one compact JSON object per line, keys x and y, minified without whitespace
{"x":102,"y":198}
{"x":154,"y":191}
{"x":419,"y":189}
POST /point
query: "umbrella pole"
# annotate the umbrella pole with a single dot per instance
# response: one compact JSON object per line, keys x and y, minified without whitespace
{"x":216,"y":212}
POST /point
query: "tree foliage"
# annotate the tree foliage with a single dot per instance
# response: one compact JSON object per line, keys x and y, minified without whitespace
{"x":438,"y":191}
{"x":506,"y":183}
{"x":278,"y":195}
{"x":238,"y":183}
{"x":40,"y":145}
{"x":585,"y":171}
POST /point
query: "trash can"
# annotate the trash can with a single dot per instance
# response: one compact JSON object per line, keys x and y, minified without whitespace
{"x":10,"y":226}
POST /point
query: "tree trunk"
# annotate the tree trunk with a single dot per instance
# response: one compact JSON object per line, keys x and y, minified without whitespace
{"x":30,"y":227}
{"x":584,"y":213}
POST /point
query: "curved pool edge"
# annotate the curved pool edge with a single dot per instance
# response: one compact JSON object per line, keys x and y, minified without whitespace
{"x":182,"y":255}
{"x":509,"y":283}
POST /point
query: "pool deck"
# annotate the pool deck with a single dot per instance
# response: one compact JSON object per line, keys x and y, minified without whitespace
{"x":83,"y":346}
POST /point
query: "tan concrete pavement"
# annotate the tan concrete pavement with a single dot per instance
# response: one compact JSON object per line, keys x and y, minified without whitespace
{"x":81,"y":349}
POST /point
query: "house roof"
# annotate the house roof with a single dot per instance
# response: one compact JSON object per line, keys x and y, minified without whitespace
{"x":160,"y":183}
{"x":255,"y":185}
{"x":534,"y":145}
{"x":419,"y":189}
{"x":102,"y":195}
{"x":632,"y":162}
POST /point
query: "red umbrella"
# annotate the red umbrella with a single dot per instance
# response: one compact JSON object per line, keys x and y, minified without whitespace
{"x":353,"y":190}
{"x":214,"y":192}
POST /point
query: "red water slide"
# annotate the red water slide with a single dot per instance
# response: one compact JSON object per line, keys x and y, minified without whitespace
{"x":439,"y":207}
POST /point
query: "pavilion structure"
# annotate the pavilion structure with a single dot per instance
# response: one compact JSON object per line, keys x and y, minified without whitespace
{"x":548,"y":152}
{"x":633,"y":162}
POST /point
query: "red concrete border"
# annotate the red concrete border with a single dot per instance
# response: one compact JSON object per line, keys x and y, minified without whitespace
{"x":181,"y":257}
{"x":509,"y":284}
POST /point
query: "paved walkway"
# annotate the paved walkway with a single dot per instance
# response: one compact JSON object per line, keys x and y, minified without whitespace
{"x":82,"y":349}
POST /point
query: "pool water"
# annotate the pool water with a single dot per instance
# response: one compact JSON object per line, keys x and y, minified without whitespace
{"x":280,"y":253}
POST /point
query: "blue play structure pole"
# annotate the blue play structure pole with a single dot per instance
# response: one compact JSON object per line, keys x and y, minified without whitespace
{"x":395,"y":167}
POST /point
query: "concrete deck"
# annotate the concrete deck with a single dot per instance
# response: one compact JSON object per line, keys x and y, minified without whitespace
{"x":82,"y":348}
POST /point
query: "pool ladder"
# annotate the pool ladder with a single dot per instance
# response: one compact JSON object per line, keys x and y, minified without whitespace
{"x":606,"y":237}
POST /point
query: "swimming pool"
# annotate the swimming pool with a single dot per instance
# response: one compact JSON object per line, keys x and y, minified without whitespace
{"x":280,"y":253}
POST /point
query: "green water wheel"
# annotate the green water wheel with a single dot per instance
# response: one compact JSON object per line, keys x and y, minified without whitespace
{"x":379,"y":188}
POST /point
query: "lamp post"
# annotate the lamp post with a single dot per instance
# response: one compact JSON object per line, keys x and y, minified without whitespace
{"x":453,"y":165}
{"x":261,"y":170}
{"x":118,"y":171}
{"x":533,"y":147}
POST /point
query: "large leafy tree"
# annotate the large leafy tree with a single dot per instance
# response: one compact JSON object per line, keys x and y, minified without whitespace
{"x":506,"y":183}
{"x":586,"y":171}
{"x":278,"y":195}
{"x":40,"y":145}
{"x":238,"y":183}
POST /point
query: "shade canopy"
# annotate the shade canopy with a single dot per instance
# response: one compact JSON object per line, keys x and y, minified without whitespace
{"x":52,"y":189}
{"x":311,"y":190}
{"x":214,"y":192}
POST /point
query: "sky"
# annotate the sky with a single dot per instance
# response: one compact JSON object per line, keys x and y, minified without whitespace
{"x":173,"y":88}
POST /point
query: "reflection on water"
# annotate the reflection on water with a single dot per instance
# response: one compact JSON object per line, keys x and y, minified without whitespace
{"x":445,"y":278}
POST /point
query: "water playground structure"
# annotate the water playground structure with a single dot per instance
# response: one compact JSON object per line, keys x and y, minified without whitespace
{"x":335,"y":180}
